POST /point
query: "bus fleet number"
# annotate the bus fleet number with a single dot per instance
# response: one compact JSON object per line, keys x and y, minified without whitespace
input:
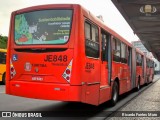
{"x":89,"y":66}
{"x":55,"y":58}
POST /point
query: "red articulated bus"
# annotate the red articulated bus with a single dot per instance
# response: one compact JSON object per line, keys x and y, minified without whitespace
{"x":140,"y":68}
{"x":63,"y":52}
{"x":149,"y":70}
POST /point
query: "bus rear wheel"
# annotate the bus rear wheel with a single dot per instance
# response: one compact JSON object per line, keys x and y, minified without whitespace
{"x":138,"y":85}
{"x":114,"y":98}
{"x":4,"y":78}
{"x":147,"y":81}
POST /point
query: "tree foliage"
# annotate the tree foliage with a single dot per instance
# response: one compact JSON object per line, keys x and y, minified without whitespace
{"x":3,"y":41}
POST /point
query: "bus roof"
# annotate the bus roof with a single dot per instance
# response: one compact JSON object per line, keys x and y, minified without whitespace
{"x":98,"y":22}
{"x":139,"y":51}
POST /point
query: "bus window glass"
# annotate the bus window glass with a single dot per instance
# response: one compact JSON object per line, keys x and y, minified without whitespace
{"x":123,"y":53}
{"x":148,"y":63}
{"x":105,"y":39}
{"x":114,"y":44}
{"x":116,"y":50}
{"x":88,"y":31}
{"x":94,"y":34}
{"x":151,"y":64}
{"x":43,"y":27}
{"x":2,"y":58}
{"x":92,"y":44}
{"x":139,"y":59}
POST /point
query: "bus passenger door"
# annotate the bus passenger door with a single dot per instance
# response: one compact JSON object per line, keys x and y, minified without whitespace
{"x":105,"y":67}
{"x":130,"y":68}
{"x":143,"y":77}
{"x":91,"y":75}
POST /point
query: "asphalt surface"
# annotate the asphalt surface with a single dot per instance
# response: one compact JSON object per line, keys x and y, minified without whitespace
{"x":66,"y":110}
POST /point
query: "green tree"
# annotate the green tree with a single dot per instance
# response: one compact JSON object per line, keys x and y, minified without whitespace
{"x":3,"y":41}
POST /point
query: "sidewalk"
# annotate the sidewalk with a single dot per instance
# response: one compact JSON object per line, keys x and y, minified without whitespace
{"x":148,"y":100}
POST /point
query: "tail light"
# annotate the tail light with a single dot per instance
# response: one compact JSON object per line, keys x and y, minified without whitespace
{"x":12,"y":70}
{"x":67,"y":73}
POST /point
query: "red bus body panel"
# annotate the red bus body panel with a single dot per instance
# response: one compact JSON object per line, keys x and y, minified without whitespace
{"x":87,"y":84}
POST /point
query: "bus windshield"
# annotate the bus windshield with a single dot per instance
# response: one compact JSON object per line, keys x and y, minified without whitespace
{"x":2,"y":58}
{"x":43,"y":27}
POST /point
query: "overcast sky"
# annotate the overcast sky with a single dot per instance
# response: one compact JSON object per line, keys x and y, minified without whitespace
{"x":112,"y":17}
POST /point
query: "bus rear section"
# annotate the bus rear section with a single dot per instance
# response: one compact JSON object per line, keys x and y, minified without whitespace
{"x":41,"y":52}
{"x":3,"y":65}
{"x":151,"y":70}
{"x":140,"y":69}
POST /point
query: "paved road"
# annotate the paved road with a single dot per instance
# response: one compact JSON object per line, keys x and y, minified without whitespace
{"x":13,"y":103}
{"x":148,"y":100}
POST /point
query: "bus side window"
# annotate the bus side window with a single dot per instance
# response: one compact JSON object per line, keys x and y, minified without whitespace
{"x":95,"y":34}
{"x":151,"y":64}
{"x":129,"y":53}
{"x":2,"y":58}
{"x":147,"y":63}
{"x":123,"y":53}
{"x":105,"y":39}
{"x":91,"y":40}
{"x":87,"y":31}
{"x":139,"y":59}
{"x":116,"y":50}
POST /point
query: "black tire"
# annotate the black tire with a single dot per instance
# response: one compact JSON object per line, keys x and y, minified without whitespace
{"x":4,"y":78}
{"x":115,"y":94}
{"x":147,"y":82}
{"x":152,"y":78}
{"x":138,"y":85}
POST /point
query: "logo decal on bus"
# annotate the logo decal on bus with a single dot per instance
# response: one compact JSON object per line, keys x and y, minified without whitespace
{"x":27,"y":66}
{"x":39,"y":65}
{"x":15,"y":57}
